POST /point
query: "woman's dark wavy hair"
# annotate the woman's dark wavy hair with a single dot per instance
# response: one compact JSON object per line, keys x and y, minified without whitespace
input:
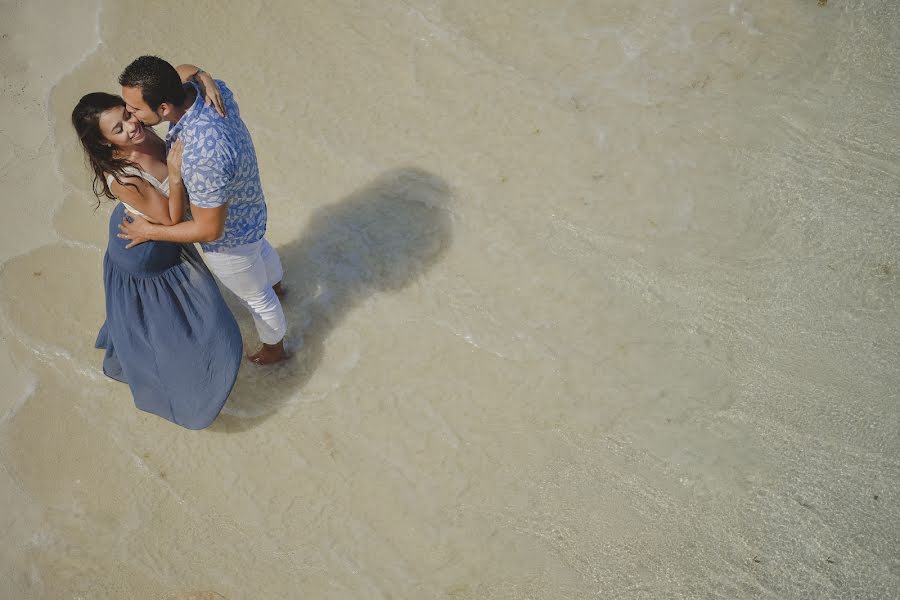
{"x":100,"y":153}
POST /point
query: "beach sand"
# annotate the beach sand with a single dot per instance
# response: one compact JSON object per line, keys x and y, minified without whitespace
{"x":587,"y":300}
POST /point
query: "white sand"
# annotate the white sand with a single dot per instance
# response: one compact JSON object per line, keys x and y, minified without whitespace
{"x":599,"y":299}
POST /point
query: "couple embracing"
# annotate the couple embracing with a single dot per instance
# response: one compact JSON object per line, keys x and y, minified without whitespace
{"x":168,"y":333}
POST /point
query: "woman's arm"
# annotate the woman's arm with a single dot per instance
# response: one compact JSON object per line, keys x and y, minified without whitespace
{"x":186,"y":71}
{"x":147,"y":199}
{"x":177,"y":191}
{"x":208,"y":86}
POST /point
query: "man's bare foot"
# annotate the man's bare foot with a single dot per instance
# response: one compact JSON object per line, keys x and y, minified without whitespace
{"x":269,"y":354}
{"x":279,"y":290}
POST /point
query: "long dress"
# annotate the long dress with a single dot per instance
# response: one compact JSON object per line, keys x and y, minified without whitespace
{"x":168,"y":332}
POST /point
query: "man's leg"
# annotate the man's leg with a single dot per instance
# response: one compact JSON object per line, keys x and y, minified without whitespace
{"x":243,"y":271}
{"x":274,"y":271}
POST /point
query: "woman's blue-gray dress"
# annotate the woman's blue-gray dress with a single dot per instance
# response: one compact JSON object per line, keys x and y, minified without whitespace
{"x":168,"y":333}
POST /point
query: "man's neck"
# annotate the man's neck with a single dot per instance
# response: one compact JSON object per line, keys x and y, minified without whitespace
{"x":178,"y":111}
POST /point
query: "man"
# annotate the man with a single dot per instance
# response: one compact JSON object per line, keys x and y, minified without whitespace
{"x":220,"y":172}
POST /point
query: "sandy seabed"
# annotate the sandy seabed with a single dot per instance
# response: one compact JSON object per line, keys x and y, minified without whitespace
{"x":596,"y":300}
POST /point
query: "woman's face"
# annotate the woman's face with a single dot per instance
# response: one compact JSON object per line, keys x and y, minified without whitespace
{"x":120,"y":128}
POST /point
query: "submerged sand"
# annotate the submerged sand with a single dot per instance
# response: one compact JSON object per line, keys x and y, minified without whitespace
{"x":596,"y":299}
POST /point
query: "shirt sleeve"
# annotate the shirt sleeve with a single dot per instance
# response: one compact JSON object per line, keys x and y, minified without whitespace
{"x":208,"y":172}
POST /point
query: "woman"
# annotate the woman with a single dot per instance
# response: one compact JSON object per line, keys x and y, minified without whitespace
{"x":168,"y":333}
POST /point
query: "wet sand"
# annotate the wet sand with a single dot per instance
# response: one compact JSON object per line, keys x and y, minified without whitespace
{"x":596,"y":299}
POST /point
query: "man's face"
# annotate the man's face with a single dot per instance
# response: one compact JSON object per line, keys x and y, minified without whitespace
{"x":139,"y":109}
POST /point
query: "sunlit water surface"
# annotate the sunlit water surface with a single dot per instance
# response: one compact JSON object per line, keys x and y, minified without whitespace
{"x":587,"y":300}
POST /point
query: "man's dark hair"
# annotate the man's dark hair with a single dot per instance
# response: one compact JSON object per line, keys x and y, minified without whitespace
{"x":158,"y":80}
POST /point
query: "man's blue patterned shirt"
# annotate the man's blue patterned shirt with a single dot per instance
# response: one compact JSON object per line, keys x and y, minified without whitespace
{"x":219,"y":167}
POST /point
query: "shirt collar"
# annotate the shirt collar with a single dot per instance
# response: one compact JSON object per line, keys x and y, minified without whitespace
{"x":175,"y":130}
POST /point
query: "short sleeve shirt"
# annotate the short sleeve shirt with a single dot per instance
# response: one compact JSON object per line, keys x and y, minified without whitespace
{"x":219,"y":167}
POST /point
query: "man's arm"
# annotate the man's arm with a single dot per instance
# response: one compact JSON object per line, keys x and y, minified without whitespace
{"x":140,"y":195}
{"x":208,"y":225}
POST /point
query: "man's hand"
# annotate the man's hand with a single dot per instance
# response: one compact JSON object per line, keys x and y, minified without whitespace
{"x":137,"y":230}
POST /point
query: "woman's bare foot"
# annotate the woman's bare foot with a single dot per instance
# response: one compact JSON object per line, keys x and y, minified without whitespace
{"x":269,"y":354}
{"x":279,"y":290}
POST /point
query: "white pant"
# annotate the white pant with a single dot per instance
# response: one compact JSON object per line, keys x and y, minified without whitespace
{"x":250,"y":271}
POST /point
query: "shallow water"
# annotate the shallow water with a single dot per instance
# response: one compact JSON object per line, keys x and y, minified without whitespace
{"x":587,"y":299}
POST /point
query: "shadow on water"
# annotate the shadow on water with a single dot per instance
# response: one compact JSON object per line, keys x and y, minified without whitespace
{"x":379,"y":239}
